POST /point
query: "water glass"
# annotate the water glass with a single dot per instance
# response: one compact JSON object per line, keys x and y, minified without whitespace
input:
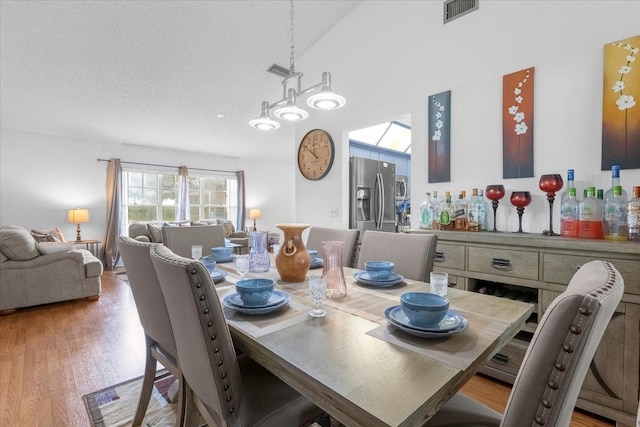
{"x":318,"y":291}
{"x":242,"y":265}
{"x":276,"y":249}
{"x":196,"y":251}
{"x":439,"y":282}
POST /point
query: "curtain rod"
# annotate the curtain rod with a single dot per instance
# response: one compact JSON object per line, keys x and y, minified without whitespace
{"x":167,"y":166}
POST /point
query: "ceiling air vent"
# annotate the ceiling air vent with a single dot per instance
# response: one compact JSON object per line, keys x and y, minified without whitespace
{"x":456,"y":8}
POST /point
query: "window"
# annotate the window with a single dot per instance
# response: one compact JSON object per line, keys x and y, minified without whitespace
{"x":152,"y":196}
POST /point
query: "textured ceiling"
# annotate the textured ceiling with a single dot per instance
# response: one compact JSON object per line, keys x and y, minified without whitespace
{"x":153,"y":73}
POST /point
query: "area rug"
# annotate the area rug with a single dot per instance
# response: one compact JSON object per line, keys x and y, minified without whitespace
{"x":116,"y":406}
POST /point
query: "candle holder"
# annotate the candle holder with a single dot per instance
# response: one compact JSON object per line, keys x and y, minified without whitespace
{"x":550,"y":184}
{"x":494,"y":193}
{"x":520,"y":199}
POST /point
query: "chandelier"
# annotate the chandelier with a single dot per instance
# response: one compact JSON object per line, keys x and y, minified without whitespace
{"x":323,"y":97}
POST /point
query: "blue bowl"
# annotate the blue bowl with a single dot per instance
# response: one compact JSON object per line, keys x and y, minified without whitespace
{"x":424,"y":309}
{"x":313,"y":254}
{"x":222,"y":252}
{"x":379,"y":269}
{"x":255,"y":291}
{"x":209,"y":262}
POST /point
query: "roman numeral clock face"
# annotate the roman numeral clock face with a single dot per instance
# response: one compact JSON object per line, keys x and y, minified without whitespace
{"x":315,"y":154}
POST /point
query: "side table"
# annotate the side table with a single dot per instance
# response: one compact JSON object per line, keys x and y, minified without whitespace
{"x":92,"y":246}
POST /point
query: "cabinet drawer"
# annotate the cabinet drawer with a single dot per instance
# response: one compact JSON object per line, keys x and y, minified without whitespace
{"x":504,"y":262}
{"x":558,"y":268}
{"x":510,"y":357}
{"x":449,"y":256}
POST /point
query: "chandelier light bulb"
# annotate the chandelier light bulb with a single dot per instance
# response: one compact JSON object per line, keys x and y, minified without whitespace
{"x":263,"y":121}
{"x":290,"y":111}
{"x":326,"y":99}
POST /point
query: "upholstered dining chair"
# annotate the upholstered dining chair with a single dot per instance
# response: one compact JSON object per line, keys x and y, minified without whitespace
{"x":226,"y":389}
{"x":152,"y":311}
{"x":412,"y":254}
{"x":555,"y":364}
{"x":180,"y":239}
{"x":317,"y":235}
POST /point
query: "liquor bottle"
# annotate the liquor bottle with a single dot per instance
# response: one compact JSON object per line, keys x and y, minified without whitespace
{"x":569,"y":215}
{"x":425,"y":213}
{"x":435,"y":205}
{"x":477,"y":212}
{"x":447,"y":215}
{"x":614,"y":216}
{"x":615,"y":180}
{"x":460,"y":208}
{"x":590,"y":217}
{"x":570,"y":184}
{"x":484,"y":215}
{"x":633,"y":216}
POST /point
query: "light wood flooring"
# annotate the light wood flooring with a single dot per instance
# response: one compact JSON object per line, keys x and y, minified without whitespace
{"x":51,"y":356}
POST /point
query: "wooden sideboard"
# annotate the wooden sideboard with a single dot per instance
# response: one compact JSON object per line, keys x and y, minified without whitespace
{"x":537,"y":268}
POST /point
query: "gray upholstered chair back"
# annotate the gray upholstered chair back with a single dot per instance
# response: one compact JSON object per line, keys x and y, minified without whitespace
{"x":559,"y":355}
{"x":412,"y":254}
{"x":180,"y":239}
{"x":147,"y":293}
{"x":206,"y":352}
{"x":317,"y":235}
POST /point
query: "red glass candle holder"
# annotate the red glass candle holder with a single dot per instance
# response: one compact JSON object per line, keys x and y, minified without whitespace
{"x":494,"y":193}
{"x":550,"y":184}
{"x":520,"y":199}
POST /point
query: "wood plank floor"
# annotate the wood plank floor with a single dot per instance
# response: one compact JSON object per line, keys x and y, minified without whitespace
{"x":51,"y":356}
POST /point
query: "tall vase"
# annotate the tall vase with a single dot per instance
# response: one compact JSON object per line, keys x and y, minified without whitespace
{"x":293,"y":260}
{"x":332,"y":269}
{"x":259,"y":261}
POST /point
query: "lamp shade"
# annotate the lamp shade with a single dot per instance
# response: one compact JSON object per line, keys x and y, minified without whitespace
{"x":78,"y":216}
{"x":254,"y":213}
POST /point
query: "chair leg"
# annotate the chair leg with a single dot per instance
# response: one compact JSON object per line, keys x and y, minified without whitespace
{"x":147,"y":384}
{"x":192,"y":415}
{"x":181,"y":416}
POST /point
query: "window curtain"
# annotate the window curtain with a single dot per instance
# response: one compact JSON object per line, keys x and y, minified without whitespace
{"x":241,"y":202}
{"x":115,"y":220}
{"x":183,"y":194}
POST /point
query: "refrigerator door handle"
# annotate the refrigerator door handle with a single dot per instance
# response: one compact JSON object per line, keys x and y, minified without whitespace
{"x":380,"y":200}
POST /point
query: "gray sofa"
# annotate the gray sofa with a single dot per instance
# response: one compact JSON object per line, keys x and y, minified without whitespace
{"x":34,"y":273}
{"x":151,"y":231}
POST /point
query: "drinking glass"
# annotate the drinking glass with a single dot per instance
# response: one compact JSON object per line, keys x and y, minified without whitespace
{"x":318,"y":291}
{"x":242,"y":265}
{"x":438,"y":283}
{"x":196,"y":251}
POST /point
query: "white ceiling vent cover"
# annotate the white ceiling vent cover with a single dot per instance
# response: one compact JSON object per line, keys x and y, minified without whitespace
{"x":456,"y":8}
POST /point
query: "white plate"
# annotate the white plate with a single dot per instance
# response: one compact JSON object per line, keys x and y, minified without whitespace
{"x":464,"y":324}
{"x":364,"y":278}
{"x":276,"y":298}
{"x":263,"y":310}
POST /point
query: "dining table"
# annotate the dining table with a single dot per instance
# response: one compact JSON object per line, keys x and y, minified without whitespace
{"x":353,"y":363}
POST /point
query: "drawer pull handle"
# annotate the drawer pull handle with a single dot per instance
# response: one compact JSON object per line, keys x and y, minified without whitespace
{"x":501,"y":264}
{"x":500,"y":359}
{"x":438,"y":257}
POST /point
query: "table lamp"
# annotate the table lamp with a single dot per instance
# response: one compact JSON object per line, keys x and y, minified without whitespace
{"x":78,"y":216}
{"x":254,"y":214}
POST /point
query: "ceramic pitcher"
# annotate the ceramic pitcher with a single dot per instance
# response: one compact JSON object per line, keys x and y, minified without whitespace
{"x":259,"y":261}
{"x":332,"y":268}
{"x":293,"y":260}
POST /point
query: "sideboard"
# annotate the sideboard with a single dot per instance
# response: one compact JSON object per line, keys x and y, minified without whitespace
{"x":537,"y":268}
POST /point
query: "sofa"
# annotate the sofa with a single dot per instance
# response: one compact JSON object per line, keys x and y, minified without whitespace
{"x":34,"y":273}
{"x":151,"y":231}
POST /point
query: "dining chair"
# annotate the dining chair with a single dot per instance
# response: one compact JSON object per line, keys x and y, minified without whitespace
{"x":317,"y":235}
{"x":412,"y":254}
{"x":556,"y":362}
{"x":152,"y":311}
{"x":225,"y":388}
{"x":180,"y":239}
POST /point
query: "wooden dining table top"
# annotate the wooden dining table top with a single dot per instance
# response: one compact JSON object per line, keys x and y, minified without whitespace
{"x":356,"y":367}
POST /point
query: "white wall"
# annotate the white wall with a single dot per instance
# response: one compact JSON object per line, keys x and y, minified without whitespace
{"x":42,"y":176}
{"x":387,"y":57}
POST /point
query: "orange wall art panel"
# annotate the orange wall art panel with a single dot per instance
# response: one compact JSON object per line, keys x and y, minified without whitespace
{"x":517,"y":124}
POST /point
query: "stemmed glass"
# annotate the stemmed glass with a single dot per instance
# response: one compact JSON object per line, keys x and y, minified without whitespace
{"x":318,"y":291}
{"x":242,"y":265}
{"x":520,"y":199}
{"x":196,"y":251}
{"x":550,"y":184}
{"x":494,"y":193}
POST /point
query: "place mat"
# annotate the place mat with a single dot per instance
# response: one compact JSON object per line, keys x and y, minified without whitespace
{"x":458,"y":351}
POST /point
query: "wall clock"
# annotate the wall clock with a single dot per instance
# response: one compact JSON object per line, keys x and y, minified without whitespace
{"x":315,"y":154}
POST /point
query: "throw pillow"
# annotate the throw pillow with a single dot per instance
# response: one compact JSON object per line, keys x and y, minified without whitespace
{"x":17,"y":244}
{"x":47,"y":248}
{"x":155,"y":231}
{"x":3,"y":258}
{"x":228,"y":227}
{"x":41,"y":236}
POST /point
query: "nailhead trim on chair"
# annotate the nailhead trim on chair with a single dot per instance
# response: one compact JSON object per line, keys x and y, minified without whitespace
{"x":572,"y":341}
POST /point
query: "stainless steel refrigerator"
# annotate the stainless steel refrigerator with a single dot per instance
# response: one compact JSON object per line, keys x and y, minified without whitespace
{"x":372,"y":195}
